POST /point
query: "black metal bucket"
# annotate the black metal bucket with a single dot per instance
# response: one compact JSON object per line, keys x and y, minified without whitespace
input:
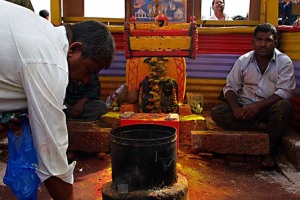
{"x":143,"y":157}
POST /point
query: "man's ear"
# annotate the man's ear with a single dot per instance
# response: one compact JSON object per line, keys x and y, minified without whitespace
{"x":75,"y":47}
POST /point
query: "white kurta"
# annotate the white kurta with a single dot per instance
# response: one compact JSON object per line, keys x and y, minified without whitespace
{"x":214,"y":17}
{"x":34,"y":76}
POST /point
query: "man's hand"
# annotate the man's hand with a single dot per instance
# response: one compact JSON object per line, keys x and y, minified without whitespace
{"x":247,"y":112}
{"x":250,"y":111}
{"x":78,"y":107}
{"x":296,"y":24}
{"x":238,"y":112}
{"x":15,"y":125}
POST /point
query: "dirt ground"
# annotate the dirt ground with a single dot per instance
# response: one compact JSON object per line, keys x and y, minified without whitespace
{"x":207,"y":180}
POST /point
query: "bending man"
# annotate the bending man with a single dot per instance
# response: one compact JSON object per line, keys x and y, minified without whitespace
{"x":37,"y":60}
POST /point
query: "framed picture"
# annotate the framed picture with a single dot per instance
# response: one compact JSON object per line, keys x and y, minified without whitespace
{"x":147,"y":10}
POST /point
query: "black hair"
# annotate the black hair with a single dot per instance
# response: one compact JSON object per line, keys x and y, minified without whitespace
{"x":266,"y":28}
{"x":213,"y":2}
{"x":44,"y":13}
{"x":98,"y":42}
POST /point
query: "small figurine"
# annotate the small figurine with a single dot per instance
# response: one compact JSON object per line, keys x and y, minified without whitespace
{"x":144,"y":95}
{"x":169,"y":96}
{"x":161,"y":20}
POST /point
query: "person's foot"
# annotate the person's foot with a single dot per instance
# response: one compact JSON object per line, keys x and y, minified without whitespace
{"x":71,"y":155}
{"x":262,"y":126}
{"x":268,"y":162}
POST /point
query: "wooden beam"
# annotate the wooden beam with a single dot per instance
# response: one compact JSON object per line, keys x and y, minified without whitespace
{"x":55,"y":10}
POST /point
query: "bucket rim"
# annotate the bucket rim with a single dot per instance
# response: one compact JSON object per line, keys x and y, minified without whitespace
{"x":143,"y":142}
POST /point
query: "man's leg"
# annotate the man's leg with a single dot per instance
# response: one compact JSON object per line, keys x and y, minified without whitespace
{"x":279,"y":117}
{"x":59,"y":189}
{"x":92,"y":111}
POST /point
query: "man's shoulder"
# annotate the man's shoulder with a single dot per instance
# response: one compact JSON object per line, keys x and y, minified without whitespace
{"x":281,"y":56}
{"x":247,"y":56}
{"x":227,"y":17}
{"x":244,"y":59}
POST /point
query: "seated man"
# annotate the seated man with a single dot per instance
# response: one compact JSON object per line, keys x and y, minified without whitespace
{"x":258,"y":89}
{"x":82,"y":100}
{"x":218,"y":7}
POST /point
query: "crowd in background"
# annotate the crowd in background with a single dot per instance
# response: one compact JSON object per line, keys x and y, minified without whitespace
{"x":285,"y":12}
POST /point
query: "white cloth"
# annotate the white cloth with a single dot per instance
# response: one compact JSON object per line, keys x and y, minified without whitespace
{"x":226,"y":17}
{"x":34,"y":76}
{"x":247,"y":81}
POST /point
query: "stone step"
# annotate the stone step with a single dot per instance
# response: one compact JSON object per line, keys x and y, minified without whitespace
{"x":88,"y":137}
{"x":187,"y":124}
{"x":230,"y":142}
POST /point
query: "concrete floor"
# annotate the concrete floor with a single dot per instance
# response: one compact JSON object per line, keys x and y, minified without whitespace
{"x":208,"y":179}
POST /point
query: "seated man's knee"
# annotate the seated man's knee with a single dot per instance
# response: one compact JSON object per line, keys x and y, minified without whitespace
{"x":218,"y":112}
{"x":284,"y":107}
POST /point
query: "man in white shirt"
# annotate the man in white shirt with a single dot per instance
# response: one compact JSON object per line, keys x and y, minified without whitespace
{"x":257,"y":90}
{"x":37,"y":60}
{"x":218,"y":8}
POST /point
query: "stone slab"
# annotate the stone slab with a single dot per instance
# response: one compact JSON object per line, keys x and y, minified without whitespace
{"x":178,"y":191}
{"x":110,"y":120}
{"x":230,"y":142}
{"x":185,"y":109}
{"x":190,"y":123}
{"x":88,"y":137}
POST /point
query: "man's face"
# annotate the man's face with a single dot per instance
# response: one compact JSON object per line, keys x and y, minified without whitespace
{"x":81,"y":68}
{"x":218,"y":5}
{"x":264,"y":44}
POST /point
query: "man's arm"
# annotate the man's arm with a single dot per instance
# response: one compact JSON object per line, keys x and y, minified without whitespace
{"x":77,"y":108}
{"x":232,"y":99}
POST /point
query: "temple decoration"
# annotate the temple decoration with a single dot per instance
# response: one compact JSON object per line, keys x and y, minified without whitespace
{"x":156,"y":65}
{"x":160,"y":38}
{"x":157,"y":92}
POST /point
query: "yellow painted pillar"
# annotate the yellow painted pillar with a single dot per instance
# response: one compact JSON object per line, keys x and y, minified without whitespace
{"x":55,"y":7}
{"x":263,"y":10}
{"x":272,"y":12}
{"x":255,"y":10}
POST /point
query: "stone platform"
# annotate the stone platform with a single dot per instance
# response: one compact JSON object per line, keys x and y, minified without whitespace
{"x":88,"y":137}
{"x":197,"y":133}
{"x":230,"y":142}
{"x":178,"y":191}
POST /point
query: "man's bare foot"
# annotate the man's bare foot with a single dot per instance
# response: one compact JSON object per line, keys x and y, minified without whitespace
{"x":71,"y":155}
{"x":268,"y":162}
{"x":262,"y":126}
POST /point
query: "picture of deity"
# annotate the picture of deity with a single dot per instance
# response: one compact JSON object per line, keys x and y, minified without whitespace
{"x":145,"y":10}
